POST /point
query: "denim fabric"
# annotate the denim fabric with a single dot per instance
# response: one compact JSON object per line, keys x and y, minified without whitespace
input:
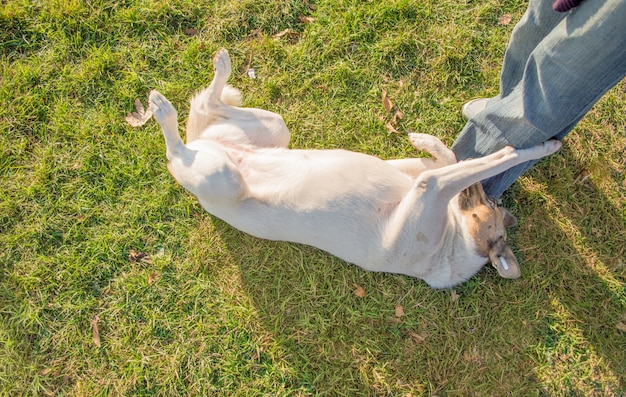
{"x":556,"y":66}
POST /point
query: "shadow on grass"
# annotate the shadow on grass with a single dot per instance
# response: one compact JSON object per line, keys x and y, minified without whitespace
{"x":579,"y":244}
{"x":553,"y":331}
{"x":337,"y":342}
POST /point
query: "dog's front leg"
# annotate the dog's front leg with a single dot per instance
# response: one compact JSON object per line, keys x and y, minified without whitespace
{"x":452,"y":179}
{"x":427,"y":202}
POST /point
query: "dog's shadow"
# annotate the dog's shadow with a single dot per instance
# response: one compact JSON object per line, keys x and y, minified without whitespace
{"x":334,"y":337}
{"x":339,"y":328}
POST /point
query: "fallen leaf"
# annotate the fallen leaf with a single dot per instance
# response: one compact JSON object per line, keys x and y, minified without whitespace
{"x":391,"y":128}
{"x":135,"y":256}
{"x":387,"y":102}
{"x":473,"y":356}
{"x":395,"y":320}
{"x":140,"y":117}
{"x":454,"y":296}
{"x":417,"y":338}
{"x":397,"y":115}
{"x":505,"y":19}
{"x":399,"y":310}
{"x":621,"y":326}
{"x":582,"y":176}
{"x":45,"y":371}
{"x":306,"y":19}
{"x":151,"y":278}
{"x":94,"y":330}
{"x":359,"y":291}
{"x":191,"y":31}
{"x":281,"y":33}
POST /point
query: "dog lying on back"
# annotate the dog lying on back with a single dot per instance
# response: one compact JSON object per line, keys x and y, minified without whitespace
{"x":426,"y":218}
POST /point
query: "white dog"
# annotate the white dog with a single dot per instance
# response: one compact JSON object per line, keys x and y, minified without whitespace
{"x":426,"y":218}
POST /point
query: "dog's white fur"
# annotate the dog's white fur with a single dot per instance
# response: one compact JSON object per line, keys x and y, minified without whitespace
{"x":426,"y":218}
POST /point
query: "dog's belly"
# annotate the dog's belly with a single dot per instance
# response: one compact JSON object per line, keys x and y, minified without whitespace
{"x":337,"y":201}
{"x":354,"y":236}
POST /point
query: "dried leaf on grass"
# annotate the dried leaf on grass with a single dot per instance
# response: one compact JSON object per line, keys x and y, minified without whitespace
{"x":454,"y":296}
{"x":391,"y":128}
{"x":191,"y":31}
{"x":359,"y":291}
{"x":396,"y":114}
{"x":151,"y":278}
{"x":415,"y":337}
{"x":306,"y":19}
{"x":505,"y":19}
{"x":281,"y":33}
{"x":582,"y":177}
{"x":140,"y":117}
{"x":94,"y":330}
{"x":399,"y":310}
{"x":135,"y":256}
{"x":387,"y":102}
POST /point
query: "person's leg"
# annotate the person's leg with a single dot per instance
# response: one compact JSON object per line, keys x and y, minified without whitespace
{"x":581,"y":58}
{"x":535,"y":25}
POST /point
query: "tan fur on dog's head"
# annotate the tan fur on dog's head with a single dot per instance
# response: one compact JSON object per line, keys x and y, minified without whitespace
{"x":487,"y":225}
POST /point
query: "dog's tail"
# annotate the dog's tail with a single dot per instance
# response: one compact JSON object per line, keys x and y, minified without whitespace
{"x":203,"y":113}
{"x":231,"y":96}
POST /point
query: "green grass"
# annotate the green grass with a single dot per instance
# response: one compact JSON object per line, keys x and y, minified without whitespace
{"x":217,"y":312}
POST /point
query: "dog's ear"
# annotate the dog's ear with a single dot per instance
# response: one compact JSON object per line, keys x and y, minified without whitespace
{"x":505,"y":262}
{"x":509,"y":219}
{"x":471,"y":196}
{"x":465,"y":200}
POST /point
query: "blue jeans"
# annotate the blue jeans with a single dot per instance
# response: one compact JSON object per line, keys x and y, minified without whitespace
{"x":556,"y":66}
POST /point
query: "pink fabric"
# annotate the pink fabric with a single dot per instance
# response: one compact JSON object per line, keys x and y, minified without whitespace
{"x":565,"y":5}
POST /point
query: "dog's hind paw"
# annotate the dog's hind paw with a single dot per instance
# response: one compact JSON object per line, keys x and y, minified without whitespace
{"x":432,"y":145}
{"x":552,"y":146}
{"x":161,"y":108}
{"x":221,"y":62}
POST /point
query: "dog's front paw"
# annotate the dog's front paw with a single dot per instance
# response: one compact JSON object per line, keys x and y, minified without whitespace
{"x":552,"y":146}
{"x":542,"y":150}
{"x":161,"y":108}
{"x":221,"y":62}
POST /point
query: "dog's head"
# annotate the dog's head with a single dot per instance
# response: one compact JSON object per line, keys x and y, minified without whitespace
{"x":487,"y":223}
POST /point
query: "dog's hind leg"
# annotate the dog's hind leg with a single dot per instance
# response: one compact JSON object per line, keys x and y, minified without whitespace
{"x":430,"y":144}
{"x":441,"y":156}
{"x":212,"y":96}
{"x":214,"y":101}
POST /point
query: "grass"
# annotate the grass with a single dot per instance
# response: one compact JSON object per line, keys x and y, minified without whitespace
{"x":217,"y":312}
